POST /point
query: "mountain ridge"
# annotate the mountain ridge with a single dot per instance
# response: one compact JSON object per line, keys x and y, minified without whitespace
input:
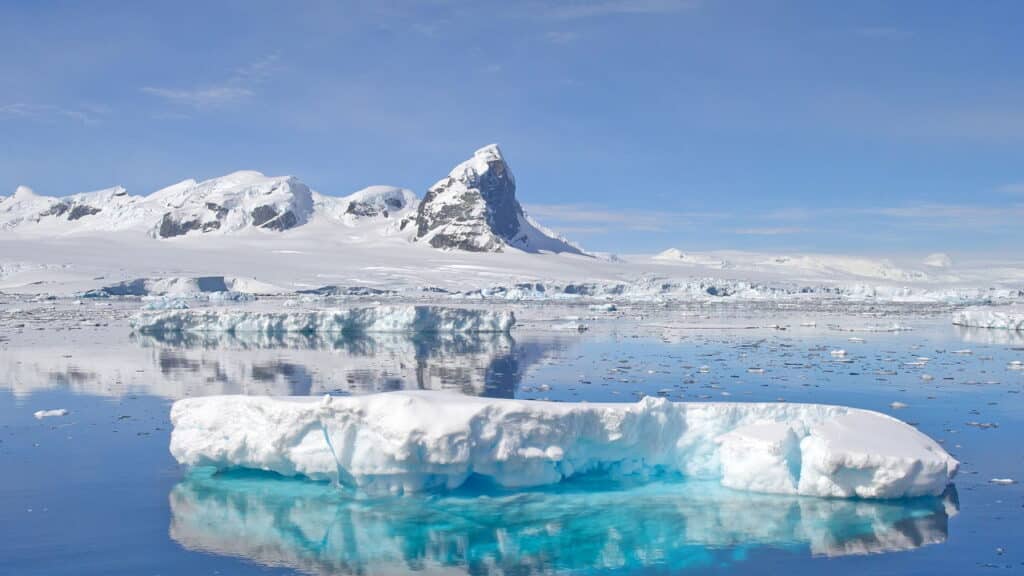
{"x":250,"y":200}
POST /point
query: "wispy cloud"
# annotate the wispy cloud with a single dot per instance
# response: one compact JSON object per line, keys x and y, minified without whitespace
{"x":930,"y":215}
{"x":948,"y":216}
{"x":90,"y":115}
{"x":581,"y":9}
{"x":883,"y":32}
{"x":595,"y":218}
{"x":1011,"y":188}
{"x":562,"y":36}
{"x":239,"y":85}
{"x":769,"y":231}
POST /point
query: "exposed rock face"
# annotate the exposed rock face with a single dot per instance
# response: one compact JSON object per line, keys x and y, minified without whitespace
{"x":171,"y":227}
{"x":82,"y":210}
{"x":74,"y":211}
{"x":475,"y":209}
{"x":364,"y":208}
{"x":234,"y":202}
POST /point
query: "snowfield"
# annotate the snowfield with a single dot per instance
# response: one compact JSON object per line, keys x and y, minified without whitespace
{"x":405,"y":319}
{"x":415,"y":441}
{"x":468,"y":237}
{"x":1005,"y":318}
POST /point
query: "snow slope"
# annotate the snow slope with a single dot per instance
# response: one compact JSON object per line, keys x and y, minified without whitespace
{"x":415,"y":441}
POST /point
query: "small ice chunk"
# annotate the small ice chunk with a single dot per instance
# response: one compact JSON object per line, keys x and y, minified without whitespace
{"x":40,"y":414}
{"x":1003,"y":481}
{"x":839,"y":353}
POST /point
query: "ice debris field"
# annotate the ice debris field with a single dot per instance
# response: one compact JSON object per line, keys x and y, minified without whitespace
{"x":413,"y":441}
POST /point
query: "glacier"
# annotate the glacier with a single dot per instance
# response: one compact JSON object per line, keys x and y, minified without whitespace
{"x":415,"y":441}
{"x":406,"y":319}
{"x":1002,"y":318}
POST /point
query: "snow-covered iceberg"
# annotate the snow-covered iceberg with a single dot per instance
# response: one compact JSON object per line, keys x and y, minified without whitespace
{"x":1004,"y":318}
{"x":414,"y":441}
{"x":404,"y":319}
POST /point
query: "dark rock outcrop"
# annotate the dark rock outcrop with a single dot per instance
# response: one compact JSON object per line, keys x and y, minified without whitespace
{"x":475,"y":209}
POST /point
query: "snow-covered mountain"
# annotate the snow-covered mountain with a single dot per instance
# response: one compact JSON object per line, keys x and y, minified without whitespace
{"x":467,"y":238}
{"x":228,"y":204}
{"x":473,"y":209}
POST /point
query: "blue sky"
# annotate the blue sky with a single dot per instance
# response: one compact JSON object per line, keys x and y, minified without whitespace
{"x":631,"y":125}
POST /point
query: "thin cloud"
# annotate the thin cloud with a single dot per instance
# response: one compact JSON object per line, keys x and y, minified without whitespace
{"x":200,"y":98}
{"x":578,"y":10}
{"x":582,"y":215}
{"x":776,"y":231}
{"x":241,"y":84}
{"x":562,"y":37}
{"x":575,"y":214}
{"x":948,"y":216}
{"x":49,"y":112}
{"x":1012,"y":188}
{"x":883,"y":32}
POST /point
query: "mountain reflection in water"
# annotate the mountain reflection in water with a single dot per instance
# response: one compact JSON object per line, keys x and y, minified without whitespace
{"x":176,"y":365}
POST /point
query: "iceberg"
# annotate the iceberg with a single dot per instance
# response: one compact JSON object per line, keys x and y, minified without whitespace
{"x":403,"y":319}
{"x":582,"y":526}
{"x":1004,"y":318}
{"x":415,"y":441}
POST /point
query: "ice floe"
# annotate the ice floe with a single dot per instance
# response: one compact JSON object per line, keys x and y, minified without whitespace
{"x":416,"y":441}
{"x":1004,"y":318}
{"x":405,"y":319}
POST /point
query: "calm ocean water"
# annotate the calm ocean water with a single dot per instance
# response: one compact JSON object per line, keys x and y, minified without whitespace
{"x":96,"y":491}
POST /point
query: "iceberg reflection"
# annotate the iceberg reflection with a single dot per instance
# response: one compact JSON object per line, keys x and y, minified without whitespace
{"x":176,"y":365}
{"x":990,"y":336}
{"x":581,"y":525}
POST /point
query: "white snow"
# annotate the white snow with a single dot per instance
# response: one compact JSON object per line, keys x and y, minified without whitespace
{"x":938,"y":260}
{"x":1004,"y":318}
{"x":366,"y":239}
{"x":410,"y":319}
{"x":414,"y":441}
{"x":40,"y":414}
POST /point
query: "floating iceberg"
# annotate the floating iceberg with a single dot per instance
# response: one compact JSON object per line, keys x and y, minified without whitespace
{"x":1004,"y":318}
{"x":575,"y":527}
{"x":414,"y":441}
{"x":405,"y":319}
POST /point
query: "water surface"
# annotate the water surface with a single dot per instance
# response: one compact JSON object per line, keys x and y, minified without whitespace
{"x":96,"y":492}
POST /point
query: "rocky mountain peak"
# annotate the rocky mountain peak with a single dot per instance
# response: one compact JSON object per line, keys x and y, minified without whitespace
{"x":475,"y":209}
